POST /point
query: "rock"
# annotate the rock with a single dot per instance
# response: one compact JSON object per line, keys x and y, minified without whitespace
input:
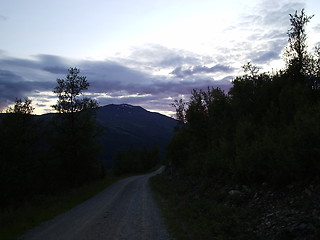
{"x":269,"y":215}
{"x":307,"y":191}
{"x":290,"y":186}
{"x":234,"y":193}
{"x":246,"y":188}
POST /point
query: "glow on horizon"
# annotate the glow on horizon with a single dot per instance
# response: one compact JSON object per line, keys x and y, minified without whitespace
{"x":140,"y":37}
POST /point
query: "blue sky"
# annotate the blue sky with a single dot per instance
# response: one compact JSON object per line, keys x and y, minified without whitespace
{"x":141,"y":52}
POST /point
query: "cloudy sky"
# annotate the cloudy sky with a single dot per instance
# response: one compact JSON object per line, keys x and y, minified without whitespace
{"x":140,"y":52}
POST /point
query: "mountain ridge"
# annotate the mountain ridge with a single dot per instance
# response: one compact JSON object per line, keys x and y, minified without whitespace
{"x":127,"y":126}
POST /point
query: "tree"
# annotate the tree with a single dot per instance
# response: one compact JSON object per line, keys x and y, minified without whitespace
{"x":19,"y":162}
{"x":264,"y":130}
{"x":69,"y":91}
{"x":21,"y":107}
{"x":296,"y":53}
{"x":180,"y":107}
{"x":75,"y":144}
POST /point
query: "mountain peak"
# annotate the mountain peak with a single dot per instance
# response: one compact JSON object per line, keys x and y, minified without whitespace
{"x":127,"y":126}
{"x":126,"y":105}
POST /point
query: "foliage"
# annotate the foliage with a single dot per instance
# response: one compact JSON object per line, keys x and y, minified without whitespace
{"x":19,"y":159}
{"x":297,"y":56}
{"x":14,"y":221}
{"x":55,"y":153}
{"x":202,"y":211}
{"x":75,"y":148}
{"x":179,"y":105}
{"x":136,"y":160}
{"x":21,"y":107}
{"x":69,"y":91}
{"x":50,"y":155}
{"x":263,"y":130}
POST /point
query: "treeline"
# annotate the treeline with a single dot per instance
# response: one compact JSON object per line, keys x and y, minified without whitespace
{"x":136,"y":160}
{"x":265,"y":129}
{"x":53,"y":153}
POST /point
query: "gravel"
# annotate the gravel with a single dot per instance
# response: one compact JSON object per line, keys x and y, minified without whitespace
{"x":125,"y":210}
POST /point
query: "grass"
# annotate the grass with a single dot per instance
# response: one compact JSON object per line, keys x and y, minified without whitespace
{"x":201,"y":211}
{"x":15,"y":221}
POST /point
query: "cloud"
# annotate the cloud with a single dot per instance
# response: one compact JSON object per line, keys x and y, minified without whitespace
{"x":317,"y":28}
{"x":152,"y":74}
{"x":110,"y":81}
{"x":262,"y":34}
{"x":13,"y":86}
{"x":263,"y":57}
{"x":160,"y":56}
{"x":180,"y":73}
{"x":272,"y":14}
{"x":9,"y":87}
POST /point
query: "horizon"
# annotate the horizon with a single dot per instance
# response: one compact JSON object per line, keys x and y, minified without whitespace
{"x":120,"y":104}
{"x":143,"y":53}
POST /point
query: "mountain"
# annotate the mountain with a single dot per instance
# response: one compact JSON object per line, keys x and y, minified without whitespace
{"x":128,"y":126}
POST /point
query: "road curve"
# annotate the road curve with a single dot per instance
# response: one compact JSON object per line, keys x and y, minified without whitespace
{"x":125,"y":210}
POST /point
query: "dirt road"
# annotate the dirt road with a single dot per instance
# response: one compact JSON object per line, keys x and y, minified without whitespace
{"x":125,"y":210}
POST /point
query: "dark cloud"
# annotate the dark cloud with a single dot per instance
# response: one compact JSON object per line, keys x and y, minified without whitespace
{"x":110,"y":81}
{"x":55,"y":70}
{"x":264,"y":57}
{"x":13,"y":86}
{"x":182,"y":73}
{"x":160,"y":95}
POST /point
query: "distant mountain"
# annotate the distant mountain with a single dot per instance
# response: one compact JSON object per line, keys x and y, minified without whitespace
{"x":128,"y":126}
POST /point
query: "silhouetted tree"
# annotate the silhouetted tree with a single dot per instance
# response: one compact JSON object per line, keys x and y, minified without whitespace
{"x":297,"y":57}
{"x":21,"y":107}
{"x":264,"y":129}
{"x":19,"y":156}
{"x":180,"y":107}
{"x":69,"y":92}
{"x":136,"y":160}
{"x":76,"y":147}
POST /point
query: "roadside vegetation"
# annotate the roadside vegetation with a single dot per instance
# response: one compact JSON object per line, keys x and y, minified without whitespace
{"x":245,"y":164}
{"x":14,"y":221}
{"x":48,"y":165}
{"x":136,"y":160}
{"x":51,"y":163}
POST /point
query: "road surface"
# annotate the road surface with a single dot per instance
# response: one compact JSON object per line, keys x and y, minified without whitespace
{"x":125,"y":210}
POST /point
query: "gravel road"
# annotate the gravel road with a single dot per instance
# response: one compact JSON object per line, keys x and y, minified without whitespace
{"x":125,"y":210}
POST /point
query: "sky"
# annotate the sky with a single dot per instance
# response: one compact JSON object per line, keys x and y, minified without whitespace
{"x":140,"y":52}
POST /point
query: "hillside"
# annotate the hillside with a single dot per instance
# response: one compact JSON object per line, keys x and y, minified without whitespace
{"x":127,"y":126}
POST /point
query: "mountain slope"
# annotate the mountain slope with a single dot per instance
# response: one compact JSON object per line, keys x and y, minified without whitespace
{"x":128,"y":126}
{"x":125,"y":126}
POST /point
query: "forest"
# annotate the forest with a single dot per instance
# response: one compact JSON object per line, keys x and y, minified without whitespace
{"x":263,"y":132}
{"x":51,"y":154}
{"x":244,"y":164}
{"x":265,"y":129}
{"x":56,"y":153}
